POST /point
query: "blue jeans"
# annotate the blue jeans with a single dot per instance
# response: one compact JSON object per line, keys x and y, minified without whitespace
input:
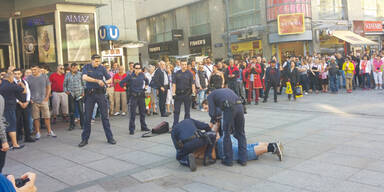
{"x":333,"y":83}
{"x":366,"y":80}
{"x":200,"y":98}
{"x":304,"y":82}
{"x":251,"y":155}
{"x":341,"y":77}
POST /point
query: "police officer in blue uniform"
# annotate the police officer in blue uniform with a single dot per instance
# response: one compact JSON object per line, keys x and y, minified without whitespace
{"x":137,"y":86}
{"x":183,"y":86}
{"x":226,"y":104}
{"x":94,"y":75}
{"x":188,"y":136}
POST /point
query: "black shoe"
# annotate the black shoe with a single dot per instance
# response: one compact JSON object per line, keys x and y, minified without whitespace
{"x":19,"y":147}
{"x":256,"y":103}
{"x":192,"y":162}
{"x":154,"y":113}
{"x":131,"y":132}
{"x":264,"y":101}
{"x":165,"y":115}
{"x":275,"y":100}
{"x":112,"y":141}
{"x":83,"y":143}
{"x":229,"y":164}
{"x":168,"y":113}
{"x":208,"y":161}
{"x":146,"y":129}
{"x":72,"y":127}
{"x":242,"y":163}
{"x":29,"y":140}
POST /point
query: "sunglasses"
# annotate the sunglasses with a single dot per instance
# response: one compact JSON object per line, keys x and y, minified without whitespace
{"x":137,"y":68}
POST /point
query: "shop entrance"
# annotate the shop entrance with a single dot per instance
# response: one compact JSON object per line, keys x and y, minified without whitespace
{"x":290,"y":49}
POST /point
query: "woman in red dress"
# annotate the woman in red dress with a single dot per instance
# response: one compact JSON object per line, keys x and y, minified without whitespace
{"x":253,"y":80}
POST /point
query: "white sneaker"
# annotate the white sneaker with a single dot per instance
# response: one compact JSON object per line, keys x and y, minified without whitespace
{"x":52,"y":134}
{"x":305,"y":93}
{"x":123,"y":113}
{"x":376,"y":87}
{"x":37,"y":137}
{"x":380,"y":88}
{"x":117,"y":113}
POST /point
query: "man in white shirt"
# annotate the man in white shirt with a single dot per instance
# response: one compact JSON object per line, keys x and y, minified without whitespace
{"x":23,"y":111}
{"x":208,"y":67}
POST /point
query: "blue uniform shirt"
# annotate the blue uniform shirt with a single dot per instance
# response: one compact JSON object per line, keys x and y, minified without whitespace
{"x":97,"y":73}
{"x":183,"y":80}
{"x":186,"y":129}
{"x":216,"y":99}
{"x":136,"y":82}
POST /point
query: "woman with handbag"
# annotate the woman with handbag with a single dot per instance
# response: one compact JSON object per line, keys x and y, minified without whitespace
{"x":294,"y":78}
{"x":324,"y":75}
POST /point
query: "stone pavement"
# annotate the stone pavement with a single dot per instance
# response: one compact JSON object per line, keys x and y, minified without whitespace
{"x":332,"y":143}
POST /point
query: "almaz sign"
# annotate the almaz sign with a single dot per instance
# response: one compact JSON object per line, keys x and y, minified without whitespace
{"x":77,"y":18}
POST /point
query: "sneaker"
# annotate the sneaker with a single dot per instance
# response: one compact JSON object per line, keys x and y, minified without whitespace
{"x":380,"y":88}
{"x":19,"y":147}
{"x":52,"y":134}
{"x":92,"y":121}
{"x":123,"y":113}
{"x":376,"y":87}
{"x":279,"y":150}
{"x":192,"y":162}
{"x":117,"y":113}
{"x":37,"y":137}
{"x":305,"y":93}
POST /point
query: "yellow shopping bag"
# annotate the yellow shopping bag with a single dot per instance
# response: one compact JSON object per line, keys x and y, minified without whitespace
{"x":288,"y":89}
{"x":299,"y":91}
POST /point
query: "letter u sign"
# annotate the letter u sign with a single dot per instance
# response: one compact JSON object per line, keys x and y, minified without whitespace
{"x":109,"y":33}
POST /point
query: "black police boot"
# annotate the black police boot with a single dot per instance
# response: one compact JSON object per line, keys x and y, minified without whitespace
{"x":29,"y":139}
{"x":83,"y":143}
{"x":264,"y":101}
{"x":192,"y":162}
{"x":131,"y":132}
{"x":145,"y":129}
{"x":71,"y":127}
{"x":208,"y":161}
{"x":111,"y":141}
{"x":229,"y":164}
{"x":242,"y":163}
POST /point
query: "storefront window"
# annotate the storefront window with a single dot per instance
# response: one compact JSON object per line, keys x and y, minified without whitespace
{"x":39,"y":40}
{"x":332,"y":9}
{"x":243,"y":13}
{"x":373,"y":8}
{"x":161,"y":26}
{"x":199,"y":18}
{"x":277,"y":7}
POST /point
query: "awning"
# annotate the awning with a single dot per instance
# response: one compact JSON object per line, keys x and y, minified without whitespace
{"x":353,"y":38}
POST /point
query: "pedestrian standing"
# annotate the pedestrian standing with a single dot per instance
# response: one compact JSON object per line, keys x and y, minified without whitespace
{"x":272,"y":79}
{"x":378,"y":71}
{"x":333,"y":70}
{"x":23,"y":110}
{"x":59,"y":98}
{"x":254,"y":80}
{"x":348,"y":69}
{"x":74,"y":88}
{"x":3,"y":136}
{"x":120,"y":92}
{"x":183,"y":87}
{"x":365,"y":71}
{"x":231,"y":74}
{"x":160,"y":82}
{"x":94,"y":75}
{"x":137,"y":86}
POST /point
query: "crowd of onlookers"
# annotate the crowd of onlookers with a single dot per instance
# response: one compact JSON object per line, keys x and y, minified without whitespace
{"x":46,"y":95}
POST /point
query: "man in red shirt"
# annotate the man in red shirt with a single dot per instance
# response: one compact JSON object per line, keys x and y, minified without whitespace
{"x":120,"y":94}
{"x":59,"y":98}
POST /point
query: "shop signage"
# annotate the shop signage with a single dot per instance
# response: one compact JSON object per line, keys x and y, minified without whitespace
{"x":109,"y":33}
{"x":113,"y":52}
{"x":291,"y":23}
{"x":169,"y":47}
{"x":77,"y":18}
{"x":373,"y":26}
{"x":177,"y":34}
{"x":35,"y":21}
{"x":246,"y":46}
{"x":197,"y":41}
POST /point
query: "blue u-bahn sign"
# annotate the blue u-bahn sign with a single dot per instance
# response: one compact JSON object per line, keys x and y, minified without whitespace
{"x":108,"y":33}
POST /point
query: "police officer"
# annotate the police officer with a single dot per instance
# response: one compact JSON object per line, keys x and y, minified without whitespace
{"x":224,"y":102}
{"x":94,"y":75}
{"x":188,"y":136}
{"x":183,"y":87}
{"x":137,"y":86}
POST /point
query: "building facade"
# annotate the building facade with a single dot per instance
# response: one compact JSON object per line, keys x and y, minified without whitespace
{"x":222,"y":28}
{"x":52,"y":32}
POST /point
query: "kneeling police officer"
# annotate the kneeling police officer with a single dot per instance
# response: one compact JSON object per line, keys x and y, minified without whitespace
{"x":188,"y":136}
{"x":226,"y":104}
{"x":138,"y":83}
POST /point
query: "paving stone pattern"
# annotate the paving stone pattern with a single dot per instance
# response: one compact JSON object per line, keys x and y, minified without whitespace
{"x":332,"y":143}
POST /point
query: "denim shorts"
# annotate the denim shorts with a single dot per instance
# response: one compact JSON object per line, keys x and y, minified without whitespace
{"x":251,"y":155}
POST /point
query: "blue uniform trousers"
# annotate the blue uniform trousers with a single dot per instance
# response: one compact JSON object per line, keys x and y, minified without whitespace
{"x":90,"y":101}
{"x":234,"y":118}
{"x":186,"y":99}
{"x":134,"y":102}
{"x":192,"y":146}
